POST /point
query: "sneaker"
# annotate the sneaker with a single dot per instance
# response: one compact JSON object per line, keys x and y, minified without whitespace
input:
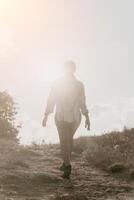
{"x":63,"y":167}
{"x":67,"y":172}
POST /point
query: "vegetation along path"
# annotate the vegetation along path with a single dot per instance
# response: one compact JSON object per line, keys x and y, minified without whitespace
{"x":33,"y":174}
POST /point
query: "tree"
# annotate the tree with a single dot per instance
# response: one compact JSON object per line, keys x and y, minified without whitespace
{"x":8,"y":128}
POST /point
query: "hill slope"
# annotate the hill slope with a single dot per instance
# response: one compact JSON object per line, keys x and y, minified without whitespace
{"x":32,"y":173}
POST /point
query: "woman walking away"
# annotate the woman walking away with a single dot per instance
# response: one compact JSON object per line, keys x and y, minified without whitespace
{"x":68,"y":95}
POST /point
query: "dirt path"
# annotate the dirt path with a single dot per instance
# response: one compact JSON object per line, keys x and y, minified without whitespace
{"x":38,"y":178}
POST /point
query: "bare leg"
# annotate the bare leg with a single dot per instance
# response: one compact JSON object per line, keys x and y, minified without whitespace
{"x":69,"y":131}
{"x":66,"y":132}
{"x":62,"y":142}
{"x":67,"y":143}
{"x":72,"y":132}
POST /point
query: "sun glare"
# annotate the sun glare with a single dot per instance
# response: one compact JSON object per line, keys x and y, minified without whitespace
{"x":4,"y":4}
{"x":50,"y":74}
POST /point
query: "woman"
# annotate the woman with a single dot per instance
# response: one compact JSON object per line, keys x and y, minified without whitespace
{"x":68,"y":95}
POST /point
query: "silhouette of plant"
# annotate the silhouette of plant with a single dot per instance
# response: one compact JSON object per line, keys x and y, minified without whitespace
{"x":8,"y":127}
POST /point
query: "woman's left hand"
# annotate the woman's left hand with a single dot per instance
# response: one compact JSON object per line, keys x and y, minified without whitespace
{"x":44,"y":122}
{"x":87,"y":123}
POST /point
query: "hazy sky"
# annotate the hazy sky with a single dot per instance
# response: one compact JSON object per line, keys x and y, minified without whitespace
{"x":37,"y":36}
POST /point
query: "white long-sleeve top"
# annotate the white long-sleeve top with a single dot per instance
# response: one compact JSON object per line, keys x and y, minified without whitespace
{"x":68,"y":95}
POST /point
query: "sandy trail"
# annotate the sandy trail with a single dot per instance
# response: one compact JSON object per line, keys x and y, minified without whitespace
{"x":38,"y":178}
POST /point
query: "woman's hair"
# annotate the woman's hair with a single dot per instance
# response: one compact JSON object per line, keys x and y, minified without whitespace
{"x":70,"y":66}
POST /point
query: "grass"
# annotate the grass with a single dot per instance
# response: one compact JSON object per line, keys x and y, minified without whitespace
{"x":33,"y":171}
{"x":117,"y":168}
{"x":24,"y":170}
{"x":111,"y":152}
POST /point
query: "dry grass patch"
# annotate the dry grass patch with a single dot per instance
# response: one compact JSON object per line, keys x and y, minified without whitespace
{"x":111,"y":152}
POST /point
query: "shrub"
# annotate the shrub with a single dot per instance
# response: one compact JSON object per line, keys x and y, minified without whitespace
{"x":8,"y":129}
{"x":117,"y":168}
{"x":112,"y":152}
{"x":115,"y":149}
{"x":81,"y":144}
{"x":131,"y":174}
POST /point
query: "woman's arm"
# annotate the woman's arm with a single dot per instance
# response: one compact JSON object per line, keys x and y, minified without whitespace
{"x":84,"y":109}
{"x":50,"y":105}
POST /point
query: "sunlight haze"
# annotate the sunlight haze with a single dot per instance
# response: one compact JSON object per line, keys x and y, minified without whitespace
{"x":38,"y":36}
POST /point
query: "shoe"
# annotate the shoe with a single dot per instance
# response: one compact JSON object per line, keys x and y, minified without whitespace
{"x":63,"y":167}
{"x":67,"y":172}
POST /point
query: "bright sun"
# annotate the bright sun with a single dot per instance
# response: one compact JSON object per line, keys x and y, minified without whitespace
{"x":5,"y":4}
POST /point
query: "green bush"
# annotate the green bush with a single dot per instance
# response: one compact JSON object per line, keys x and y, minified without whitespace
{"x":8,"y":129}
{"x":131,"y":174}
{"x":81,"y":144}
{"x":117,"y":168}
{"x":111,"y":152}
